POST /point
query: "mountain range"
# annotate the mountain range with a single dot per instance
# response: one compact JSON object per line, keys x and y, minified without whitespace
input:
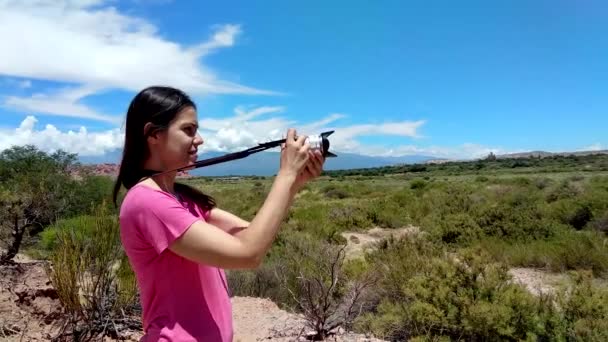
{"x":267,"y":163}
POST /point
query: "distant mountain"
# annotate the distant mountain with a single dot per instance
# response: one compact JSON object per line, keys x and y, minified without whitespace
{"x":112,"y":157}
{"x":544,"y":154}
{"x":267,"y":163}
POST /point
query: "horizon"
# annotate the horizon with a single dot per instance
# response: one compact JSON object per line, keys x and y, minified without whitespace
{"x":448,"y":81}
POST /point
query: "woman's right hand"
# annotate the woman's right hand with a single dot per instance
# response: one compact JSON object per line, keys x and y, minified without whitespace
{"x":294,"y":155}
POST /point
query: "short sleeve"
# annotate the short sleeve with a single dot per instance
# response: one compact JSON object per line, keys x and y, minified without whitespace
{"x":163,"y":219}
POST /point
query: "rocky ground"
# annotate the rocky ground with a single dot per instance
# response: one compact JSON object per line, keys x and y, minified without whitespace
{"x":30,"y":311}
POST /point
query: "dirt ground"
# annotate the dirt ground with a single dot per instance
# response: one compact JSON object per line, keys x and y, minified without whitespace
{"x":30,"y":311}
{"x":358,"y":243}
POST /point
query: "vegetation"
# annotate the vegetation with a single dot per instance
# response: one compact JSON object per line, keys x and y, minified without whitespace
{"x":36,"y":189}
{"x":449,"y":282}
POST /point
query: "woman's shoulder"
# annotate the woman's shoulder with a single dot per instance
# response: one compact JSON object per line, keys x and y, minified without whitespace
{"x":142,"y":197}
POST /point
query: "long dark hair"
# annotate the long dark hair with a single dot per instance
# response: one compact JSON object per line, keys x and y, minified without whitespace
{"x":159,"y":106}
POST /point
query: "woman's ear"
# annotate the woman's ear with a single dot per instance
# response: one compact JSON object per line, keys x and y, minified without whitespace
{"x":150,"y":133}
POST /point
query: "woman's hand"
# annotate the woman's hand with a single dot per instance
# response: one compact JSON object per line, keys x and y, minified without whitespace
{"x":294,"y":155}
{"x":313,"y":169}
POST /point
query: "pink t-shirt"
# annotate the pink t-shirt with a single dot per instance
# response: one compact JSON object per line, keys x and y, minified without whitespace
{"x":181,"y":300}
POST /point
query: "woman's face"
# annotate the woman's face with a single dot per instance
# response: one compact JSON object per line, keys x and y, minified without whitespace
{"x":178,"y":145}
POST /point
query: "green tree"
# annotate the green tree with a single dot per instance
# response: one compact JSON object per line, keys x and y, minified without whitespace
{"x":36,"y":189}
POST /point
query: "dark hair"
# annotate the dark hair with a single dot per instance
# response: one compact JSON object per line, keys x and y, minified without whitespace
{"x":159,"y":106}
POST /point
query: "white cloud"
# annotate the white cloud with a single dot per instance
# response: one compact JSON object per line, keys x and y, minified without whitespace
{"x":61,"y":103}
{"x":244,"y":129}
{"x":234,"y":133}
{"x":91,"y":45}
{"x":51,"y":139}
{"x":594,"y":147}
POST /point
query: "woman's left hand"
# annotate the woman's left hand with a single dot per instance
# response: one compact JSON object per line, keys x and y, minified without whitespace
{"x":312,"y":170}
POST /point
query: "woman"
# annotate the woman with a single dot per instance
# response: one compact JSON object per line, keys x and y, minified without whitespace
{"x":177,"y":241}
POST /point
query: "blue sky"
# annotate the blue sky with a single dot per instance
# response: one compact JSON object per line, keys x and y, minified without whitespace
{"x":443,"y":78}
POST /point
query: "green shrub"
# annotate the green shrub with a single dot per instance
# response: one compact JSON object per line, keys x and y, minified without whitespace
{"x":80,"y":228}
{"x":418,"y":184}
{"x":563,"y":190}
{"x":453,"y":229}
{"x":568,"y":250}
{"x":585,"y":310}
{"x":516,"y":220}
{"x":332,"y":191}
{"x":468,"y":298}
{"x":386,"y":213}
{"x":572,"y":212}
{"x":92,"y":278}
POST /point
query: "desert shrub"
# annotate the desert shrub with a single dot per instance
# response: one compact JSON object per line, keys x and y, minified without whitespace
{"x":348,"y":216}
{"x":262,"y":282}
{"x":481,"y":179}
{"x":572,"y":212}
{"x":542,"y":183}
{"x":600,"y":223}
{"x":80,"y":227}
{"x":309,"y":276}
{"x":313,"y":274}
{"x":568,"y":250}
{"x":453,"y":229}
{"x":585,"y":310}
{"x":386,"y":213}
{"x":332,"y":191}
{"x":563,"y":190}
{"x":516,"y":219}
{"x":417,"y":184}
{"x":468,"y":297}
{"x":93,"y":279}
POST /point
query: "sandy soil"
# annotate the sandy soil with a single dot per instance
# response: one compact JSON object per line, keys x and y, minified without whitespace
{"x":358,"y":243}
{"x":30,"y":311}
{"x":538,"y":281}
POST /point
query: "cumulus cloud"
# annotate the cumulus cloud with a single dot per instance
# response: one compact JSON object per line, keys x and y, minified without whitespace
{"x":91,"y":45}
{"x":594,"y":147}
{"x":243,"y":129}
{"x":83,"y":142}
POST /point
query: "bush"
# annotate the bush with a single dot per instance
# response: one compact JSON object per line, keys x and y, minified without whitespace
{"x":93,"y":280}
{"x":568,"y":250}
{"x":80,"y":228}
{"x":332,"y":191}
{"x":386,"y":213}
{"x":601,"y":223}
{"x":313,"y":274}
{"x":453,"y":229}
{"x":572,"y":212}
{"x":418,"y":184}
{"x":585,"y":310}
{"x":468,"y":298}
{"x":517,"y":221}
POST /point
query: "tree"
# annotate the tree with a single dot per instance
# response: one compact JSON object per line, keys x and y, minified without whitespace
{"x":35,"y":191}
{"x":491,"y":157}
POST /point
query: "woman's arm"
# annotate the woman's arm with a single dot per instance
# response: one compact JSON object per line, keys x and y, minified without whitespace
{"x":227,"y":221}
{"x":208,"y":244}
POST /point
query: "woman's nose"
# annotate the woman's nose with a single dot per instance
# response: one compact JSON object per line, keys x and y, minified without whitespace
{"x":198,"y":140}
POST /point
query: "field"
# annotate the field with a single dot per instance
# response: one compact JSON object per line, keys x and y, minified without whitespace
{"x":482,"y":250}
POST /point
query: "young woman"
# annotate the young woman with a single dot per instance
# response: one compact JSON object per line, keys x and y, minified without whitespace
{"x":177,"y":241}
